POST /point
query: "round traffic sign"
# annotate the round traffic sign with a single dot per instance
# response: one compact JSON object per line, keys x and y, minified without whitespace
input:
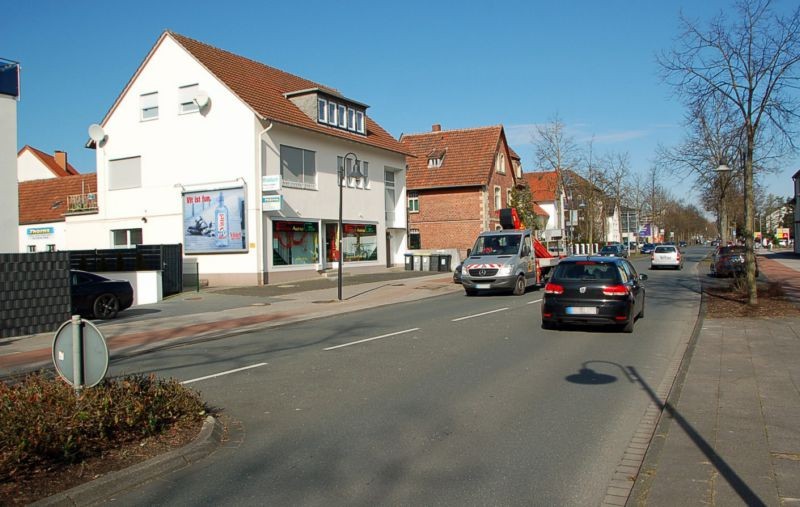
{"x":93,"y":351}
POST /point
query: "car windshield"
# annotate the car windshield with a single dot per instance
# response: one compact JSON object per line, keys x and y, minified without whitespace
{"x":587,"y":270}
{"x":665,"y":249}
{"x":507,"y":244}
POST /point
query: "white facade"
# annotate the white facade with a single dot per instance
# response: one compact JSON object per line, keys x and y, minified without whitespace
{"x":42,"y":237}
{"x":9,"y":218}
{"x":29,"y":167}
{"x":225,"y":145}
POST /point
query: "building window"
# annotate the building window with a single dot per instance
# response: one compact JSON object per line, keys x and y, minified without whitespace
{"x":125,"y":173}
{"x":186,"y":95}
{"x":295,"y":243}
{"x":51,"y":248}
{"x":148,"y":104}
{"x":500,"y":163}
{"x":413,"y":201}
{"x":31,"y":248}
{"x":298,"y":168}
{"x":351,"y":119}
{"x":414,"y":240}
{"x":322,"y":111}
{"x":360,"y":122}
{"x":332,"y":113}
{"x":434,"y":162}
{"x":390,"y":200}
{"x":342,"y":116}
{"x":126,"y":238}
{"x":360,"y":242}
{"x":497,"y":202}
{"x":508,"y":197}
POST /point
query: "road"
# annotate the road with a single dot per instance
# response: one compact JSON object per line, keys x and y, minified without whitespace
{"x":445,"y":401}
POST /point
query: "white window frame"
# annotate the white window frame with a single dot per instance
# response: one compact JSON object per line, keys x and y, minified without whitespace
{"x":148,"y":104}
{"x":498,"y":198}
{"x":413,"y":197}
{"x":333,"y":113}
{"x":305,"y":184}
{"x":500,"y":163}
{"x":342,"y":116}
{"x":508,"y":198}
{"x":186,"y":102}
{"x":322,"y":110}
{"x":360,"y":122}
{"x":351,"y":119}
{"x":128,"y":243}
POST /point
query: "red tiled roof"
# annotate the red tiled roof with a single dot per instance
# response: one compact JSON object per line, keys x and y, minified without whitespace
{"x":468,"y":157}
{"x":263,"y":89}
{"x":50,"y":162}
{"x":513,"y":154}
{"x":543,"y":185}
{"x":42,"y":201}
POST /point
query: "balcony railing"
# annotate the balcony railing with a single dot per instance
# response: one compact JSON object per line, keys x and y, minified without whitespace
{"x":80,"y":203}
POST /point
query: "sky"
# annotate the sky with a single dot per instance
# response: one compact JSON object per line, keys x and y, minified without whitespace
{"x":461,"y":64}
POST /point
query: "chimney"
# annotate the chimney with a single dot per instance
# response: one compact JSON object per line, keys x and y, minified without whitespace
{"x":436,"y":128}
{"x":61,"y":159}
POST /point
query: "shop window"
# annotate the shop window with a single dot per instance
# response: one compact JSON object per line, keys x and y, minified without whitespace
{"x":414,"y":241}
{"x":359,"y":242}
{"x":295,"y":243}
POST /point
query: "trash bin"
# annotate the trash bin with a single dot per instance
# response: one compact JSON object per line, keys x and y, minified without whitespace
{"x":426,"y":263}
{"x":434,"y":262}
{"x":417,"y":263}
{"x":409,"y":262}
{"x":444,"y":262}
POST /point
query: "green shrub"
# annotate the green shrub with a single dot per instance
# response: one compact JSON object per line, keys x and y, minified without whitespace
{"x":42,"y":422}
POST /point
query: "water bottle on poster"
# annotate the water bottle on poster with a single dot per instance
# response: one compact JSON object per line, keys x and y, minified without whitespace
{"x":222,"y":223}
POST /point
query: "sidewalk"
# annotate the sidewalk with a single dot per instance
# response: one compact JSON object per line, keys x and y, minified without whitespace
{"x":730,"y":430}
{"x":220,"y":312}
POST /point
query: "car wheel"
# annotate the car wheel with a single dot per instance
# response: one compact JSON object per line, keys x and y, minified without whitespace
{"x":105,"y":306}
{"x":519,"y":286}
{"x":628,"y":328}
{"x":641,"y":312}
{"x":471,"y":292}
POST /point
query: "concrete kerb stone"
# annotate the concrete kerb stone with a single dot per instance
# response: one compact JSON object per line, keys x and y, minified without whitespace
{"x":102,"y":488}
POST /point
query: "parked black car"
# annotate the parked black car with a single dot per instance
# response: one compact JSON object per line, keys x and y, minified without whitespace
{"x":457,"y":274}
{"x":97,"y":296}
{"x":594,"y":290}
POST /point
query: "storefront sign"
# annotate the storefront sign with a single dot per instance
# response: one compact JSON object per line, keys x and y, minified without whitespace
{"x":359,"y":228}
{"x":40,"y":232}
{"x":271,"y":202}
{"x":214,"y":221}
{"x":270,"y":183}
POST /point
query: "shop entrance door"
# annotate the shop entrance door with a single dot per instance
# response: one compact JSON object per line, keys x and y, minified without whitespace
{"x":331,"y":245}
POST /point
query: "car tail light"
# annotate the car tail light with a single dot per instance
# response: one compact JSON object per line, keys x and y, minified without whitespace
{"x":616,"y":290}
{"x":652,"y":256}
{"x":553,"y":288}
{"x":678,"y":256}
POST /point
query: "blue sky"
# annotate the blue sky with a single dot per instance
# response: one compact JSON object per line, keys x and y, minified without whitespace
{"x":460,"y":64}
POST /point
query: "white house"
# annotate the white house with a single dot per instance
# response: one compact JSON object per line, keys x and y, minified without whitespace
{"x":238,"y":162}
{"x":9,"y":93}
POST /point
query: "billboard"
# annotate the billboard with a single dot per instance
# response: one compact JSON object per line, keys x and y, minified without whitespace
{"x":645,"y":231}
{"x":214,"y":221}
{"x":9,"y":78}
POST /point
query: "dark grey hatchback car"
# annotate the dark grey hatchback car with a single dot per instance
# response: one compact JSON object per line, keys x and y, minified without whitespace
{"x":594,"y":290}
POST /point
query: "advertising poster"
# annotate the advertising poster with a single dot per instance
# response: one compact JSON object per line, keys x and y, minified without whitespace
{"x":214,"y":221}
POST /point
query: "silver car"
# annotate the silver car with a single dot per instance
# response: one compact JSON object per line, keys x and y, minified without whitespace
{"x":666,"y":256}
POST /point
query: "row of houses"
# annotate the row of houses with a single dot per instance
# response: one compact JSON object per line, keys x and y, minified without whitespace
{"x":241,"y":164}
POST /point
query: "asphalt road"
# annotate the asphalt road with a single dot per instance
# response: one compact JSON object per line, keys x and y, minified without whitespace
{"x":450,"y":401}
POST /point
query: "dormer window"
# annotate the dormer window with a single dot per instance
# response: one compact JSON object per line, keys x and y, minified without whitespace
{"x":332,"y":110}
{"x":500,"y":163}
{"x":322,"y":111}
{"x":436,"y":158}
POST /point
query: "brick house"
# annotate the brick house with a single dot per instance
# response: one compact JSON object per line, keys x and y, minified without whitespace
{"x":456,"y":182}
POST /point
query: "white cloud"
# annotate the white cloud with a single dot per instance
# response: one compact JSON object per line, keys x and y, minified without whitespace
{"x":614,"y":137}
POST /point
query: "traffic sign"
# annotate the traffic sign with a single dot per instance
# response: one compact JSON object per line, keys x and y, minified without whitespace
{"x":83,"y":364}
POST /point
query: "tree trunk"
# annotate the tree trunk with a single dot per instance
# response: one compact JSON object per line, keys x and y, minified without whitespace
{"x":750,"y":256}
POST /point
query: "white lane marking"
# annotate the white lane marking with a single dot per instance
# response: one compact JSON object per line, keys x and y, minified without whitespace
{"x":222,"y":373}
{"x":373,"y":338}
{"x":531,"y":302}
{"x":479,"y":314}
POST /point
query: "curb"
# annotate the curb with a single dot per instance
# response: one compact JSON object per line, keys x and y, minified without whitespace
{"x":102,"y":488}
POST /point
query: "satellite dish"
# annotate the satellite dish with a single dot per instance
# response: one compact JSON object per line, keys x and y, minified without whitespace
{"x":97,"y":133}
{"x":201,"y":99}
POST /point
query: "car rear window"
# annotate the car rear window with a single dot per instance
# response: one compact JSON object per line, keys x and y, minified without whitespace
{"x":665,"y":249}
{"x":587,"y":270}
{"x":725,"y":250}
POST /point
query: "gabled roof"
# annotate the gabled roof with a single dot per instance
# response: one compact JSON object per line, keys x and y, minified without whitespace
{"x":468,"y":157}
{"x":266,"y":90}
{"x":538,"y":210}
{"x":42,"y":201}
{"x":543,"y":185}
{"x":50,"y":162}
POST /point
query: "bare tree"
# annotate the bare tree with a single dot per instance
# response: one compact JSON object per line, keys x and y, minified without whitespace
{"x":750,"y":62}
{"x":617,"y":171}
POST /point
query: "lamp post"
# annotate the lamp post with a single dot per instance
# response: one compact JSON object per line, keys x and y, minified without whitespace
{"x":341,"y":174}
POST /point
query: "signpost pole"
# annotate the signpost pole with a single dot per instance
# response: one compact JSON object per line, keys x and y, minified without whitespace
{"x":77,"y":353}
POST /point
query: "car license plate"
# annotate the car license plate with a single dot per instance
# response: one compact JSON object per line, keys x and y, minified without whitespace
{"x":581,"y":310}
{"x":482,"y":285}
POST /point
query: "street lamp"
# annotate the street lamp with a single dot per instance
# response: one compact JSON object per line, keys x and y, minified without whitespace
{"x":341,"y":174}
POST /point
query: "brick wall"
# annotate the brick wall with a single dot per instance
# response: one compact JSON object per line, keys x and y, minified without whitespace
{"x":448,"y":218}
{"x":34,"y":292}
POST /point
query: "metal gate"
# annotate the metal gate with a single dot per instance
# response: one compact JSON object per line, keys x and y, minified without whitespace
{"x":172,"y":269}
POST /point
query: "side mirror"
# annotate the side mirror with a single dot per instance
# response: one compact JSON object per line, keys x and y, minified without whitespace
{"x":642,"y":277}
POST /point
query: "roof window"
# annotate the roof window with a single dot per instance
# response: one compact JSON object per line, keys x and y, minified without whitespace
{"x":436,"y":158}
